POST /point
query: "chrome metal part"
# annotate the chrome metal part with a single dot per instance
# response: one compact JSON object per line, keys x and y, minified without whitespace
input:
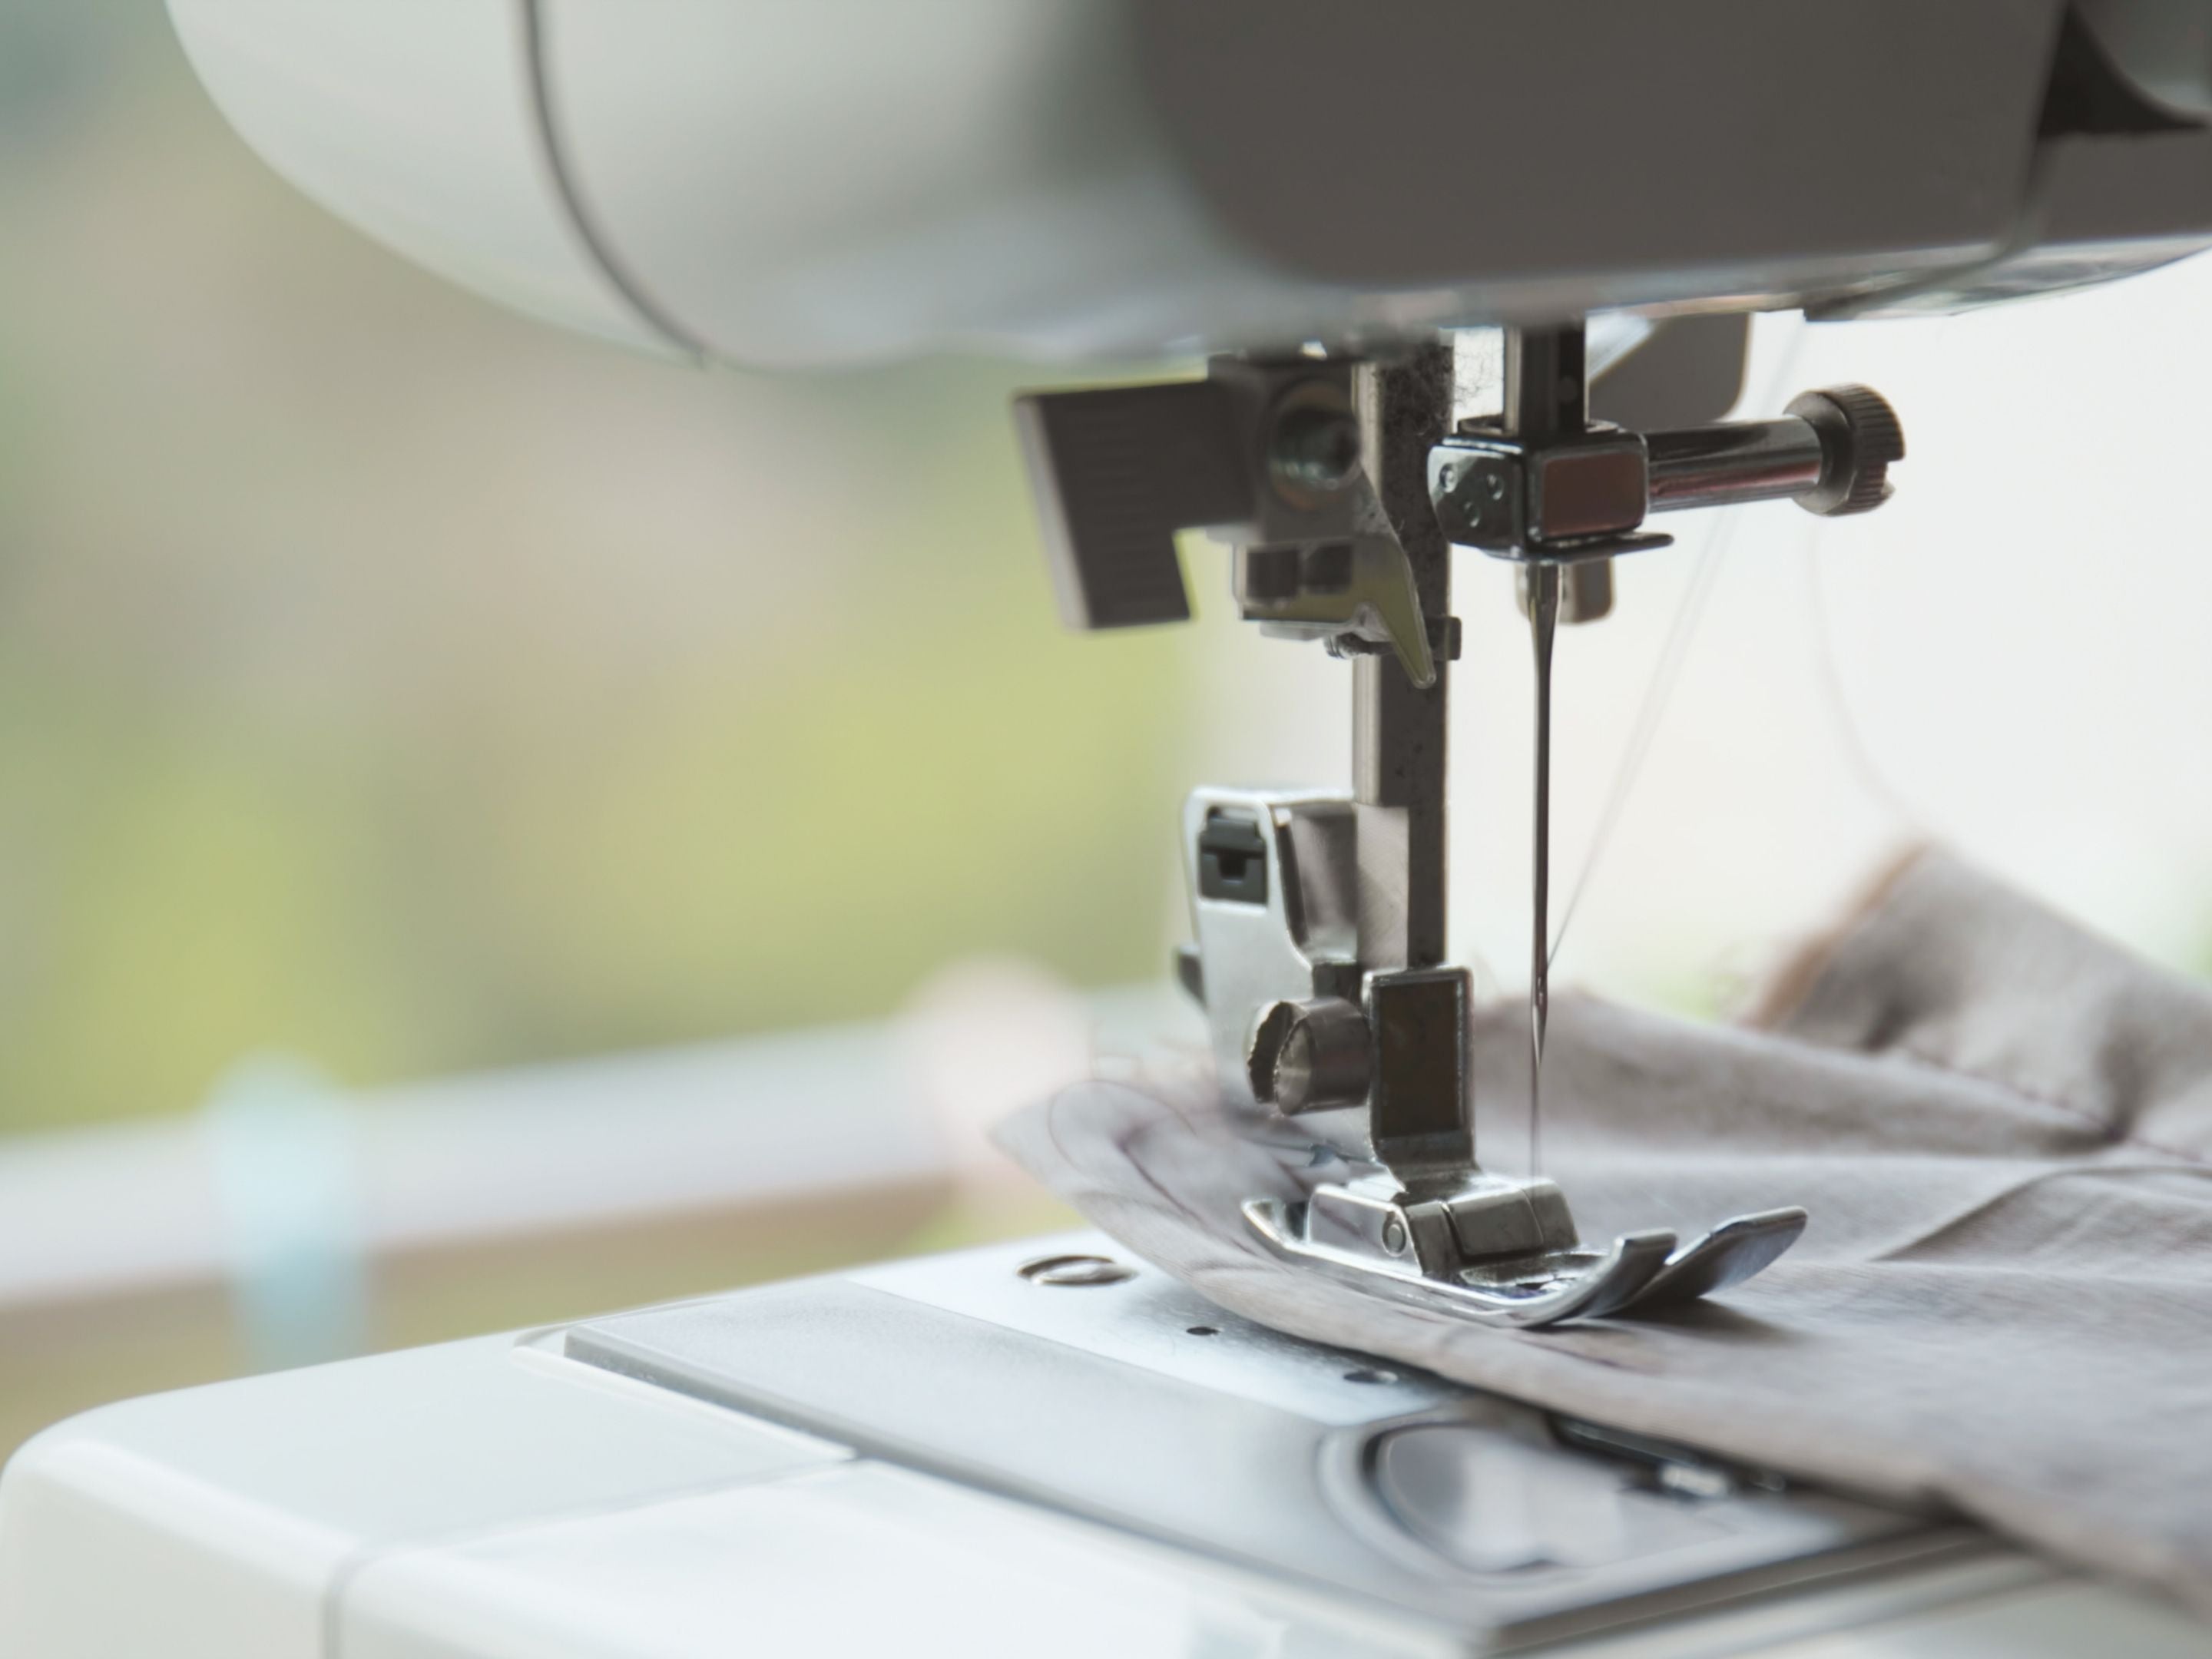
{"x":1320,"y":955}
{"x":1728,"y":1255}
{"x":1141,"y":1406}
{"x":1439,"y":1225}
{"x":1272,"y":878}
{"x":1361,"y":588}
{"x":1540,"y":481}
{"x":1074,"y":1272}
{"x":1307,"y":1055}
{"x":1733,"y":462}
{"x":1831,"y":454}
{"x":1362,"y":1041}
{"x":1399,"y":725}
{"x":1585,"y":592}
{"x":1643,"y":1271}
{"x":1860,"y":437}
{"x":1313,"y":449}
{"x":1543,"y":623}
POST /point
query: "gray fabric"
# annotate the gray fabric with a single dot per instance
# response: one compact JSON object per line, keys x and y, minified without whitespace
{"x":2000,"y":1124}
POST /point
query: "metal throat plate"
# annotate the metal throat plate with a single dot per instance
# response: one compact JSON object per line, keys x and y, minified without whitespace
{"x":1125,"y":1398}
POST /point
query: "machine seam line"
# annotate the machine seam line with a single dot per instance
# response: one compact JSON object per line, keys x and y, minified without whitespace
{"x":374,"y":1552}
{"x":597,"y":244}
{"x":2113,"y":1134}
{"x":1989,"y":1201}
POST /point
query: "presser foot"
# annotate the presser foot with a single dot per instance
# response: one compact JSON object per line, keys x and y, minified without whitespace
{"x":1412,"y":1245}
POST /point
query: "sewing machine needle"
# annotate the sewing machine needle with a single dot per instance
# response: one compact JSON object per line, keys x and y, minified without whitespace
{"x":1543,"y":624}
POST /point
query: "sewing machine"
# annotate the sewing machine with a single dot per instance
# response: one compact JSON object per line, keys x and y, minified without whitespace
{"x":1468,"y":274}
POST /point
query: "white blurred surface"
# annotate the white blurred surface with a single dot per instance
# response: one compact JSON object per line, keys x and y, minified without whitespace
{"x":718,"y":1126}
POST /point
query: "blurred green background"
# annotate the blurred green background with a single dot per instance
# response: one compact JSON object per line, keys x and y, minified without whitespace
{"x":397,"y":683}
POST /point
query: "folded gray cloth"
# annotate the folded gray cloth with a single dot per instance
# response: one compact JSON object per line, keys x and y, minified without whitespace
{"x":2001,"y":1125}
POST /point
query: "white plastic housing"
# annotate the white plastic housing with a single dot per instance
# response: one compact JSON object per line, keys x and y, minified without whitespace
{"x":416,"y":120}
{"x":848,"y":181}
{"x":842,"y":181}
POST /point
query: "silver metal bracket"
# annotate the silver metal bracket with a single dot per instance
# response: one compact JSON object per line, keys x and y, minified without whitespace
{"x":1642,"y":1273}
{"x":1319,"y":955}
{"x":1583,"y":494}
{"x":1372,"y":1063}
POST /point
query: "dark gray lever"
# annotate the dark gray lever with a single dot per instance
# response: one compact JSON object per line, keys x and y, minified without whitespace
{"x":1116,"y":473}
{"x":1266,"y":454}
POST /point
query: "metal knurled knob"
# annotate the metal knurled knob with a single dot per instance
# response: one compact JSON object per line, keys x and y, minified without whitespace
{"x":1860,"y":437}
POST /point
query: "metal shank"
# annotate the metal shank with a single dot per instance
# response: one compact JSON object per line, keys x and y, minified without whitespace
{"x":1319,"y":953}
{"x":1398,"y":729}
{"x":1734,"y":462}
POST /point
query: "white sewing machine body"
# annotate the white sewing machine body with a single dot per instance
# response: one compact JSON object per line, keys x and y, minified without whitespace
{"x":954,"y":1456}
{"x":847,"y":183}
{"x":948,"y":1456}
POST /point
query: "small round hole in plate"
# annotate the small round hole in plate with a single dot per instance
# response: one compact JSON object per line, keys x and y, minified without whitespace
{"x":1203,"y":1330}
{"x":1370,"y":1374}
{"x":1063,"y":1272}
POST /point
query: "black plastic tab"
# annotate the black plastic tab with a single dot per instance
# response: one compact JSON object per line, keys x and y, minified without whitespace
{"x":1232,"y":860}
